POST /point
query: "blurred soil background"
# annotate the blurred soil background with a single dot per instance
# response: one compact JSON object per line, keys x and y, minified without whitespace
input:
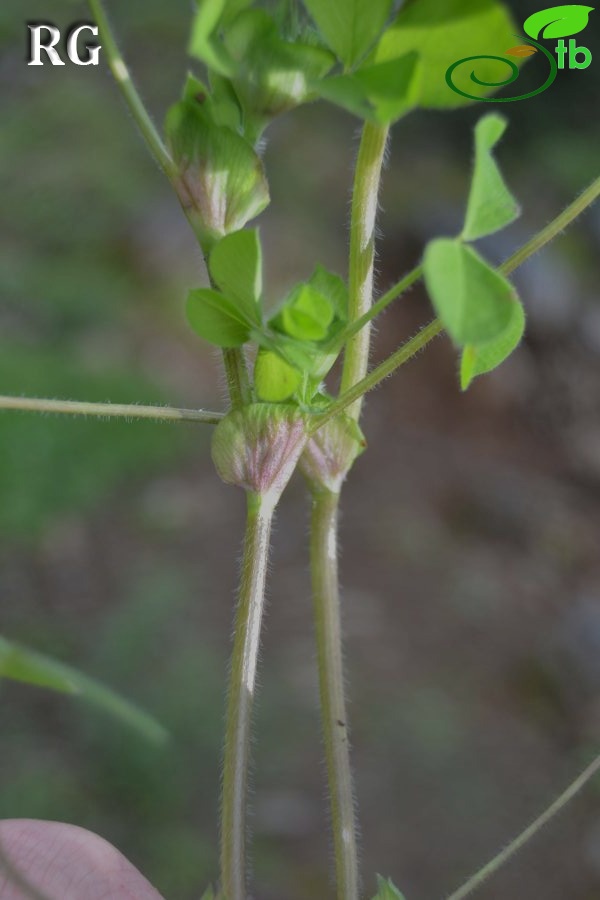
{"x":471,"y":528}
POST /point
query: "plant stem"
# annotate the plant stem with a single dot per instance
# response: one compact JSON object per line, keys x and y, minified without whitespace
{"x":394,"y":292}
{"x":110,"y":410}
{"x":365,"y":199}
{"x":381,"y":372}
{"x":241,"y":696}
{"x":490,"y":868}
{"x":236,"y":373}
{"x":562,"y":221}
{"x":234,"y":362}
{"x":326,"y":600}
{"x":129,"y":90}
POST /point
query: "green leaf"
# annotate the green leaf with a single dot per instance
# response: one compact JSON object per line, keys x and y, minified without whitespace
{"x":386,"y":890}
{"x":491,"y":206}
{"x":350,"y":27}
{"x":274,"y":379}
{"x":441,"y":34}
{"x":333,"y":287}
{"x":558,"y":21}
{"x":20,"y":664}
{"x":486,"y":357}
{"x":216,"y":318}
{"x":307,"y":314}
{"x":382,"y":92}
{"x":203,"y":41}
{"x":474,"y":302}
{"x":235,"y":265}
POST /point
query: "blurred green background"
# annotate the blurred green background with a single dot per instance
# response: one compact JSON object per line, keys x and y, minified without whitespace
{"x":471,"y":528}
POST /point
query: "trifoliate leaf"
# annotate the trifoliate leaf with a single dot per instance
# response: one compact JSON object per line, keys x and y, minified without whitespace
{"x":216,"y":318}
{"x":235,"y":265}
{"x":21,"y":664}
{"x":558,"y":21}
{"x":443,"y":33}
{"x":486,"y":357}
{"x":350,"y":27}
{"x":474,"y":302}
{"x":491,"y":206}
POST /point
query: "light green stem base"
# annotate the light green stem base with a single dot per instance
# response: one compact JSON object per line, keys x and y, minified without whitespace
{"x":241,"y":698}
{"x":323,"y":549}
{"x":362,"y":252}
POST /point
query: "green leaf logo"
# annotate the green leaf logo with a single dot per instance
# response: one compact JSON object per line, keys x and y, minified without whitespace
{"x":558,"y":21}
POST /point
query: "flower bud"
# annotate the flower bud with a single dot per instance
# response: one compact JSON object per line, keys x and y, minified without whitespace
{"x":258,"y":447}
{"x":221,"y":180}
{"x":330,"y":453}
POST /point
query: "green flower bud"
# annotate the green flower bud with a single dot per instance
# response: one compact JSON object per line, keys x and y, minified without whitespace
{"x":258,"y":447}
{"x":221,"y":179}
{"x":274,"y":75}
{"x":330,"y":453}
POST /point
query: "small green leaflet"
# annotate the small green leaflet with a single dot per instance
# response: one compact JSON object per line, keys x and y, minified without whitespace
{"x":387,"y":891}
{"x":381,"y":92}
{"x":20,"y":664}
{"x":274,"y":379}
{"x":203,"y":41}
{"x":474,"y":302}
{"x":486,"y":357}
{"x":306,"y":315}
{"x":350,"y":27}
{"x":491,"y":206}
{"x":441,"y":34}
{"x":333,"y":287}
{"x":558,"y":21}
{"x":235,"y":265}
{"x":216,"y":318}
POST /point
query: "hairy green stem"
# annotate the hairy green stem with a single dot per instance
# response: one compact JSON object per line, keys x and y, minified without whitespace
{"x":379,"y":374}
{"x":236,"y":373}
{"x":129,"y":91}
{"x":110,"y":410}
{"x":365,"y":201}
{"x":326,"y":600}
{"x":382,"y":304}
{"x":475,"y":882}
{"x":233,"y":360}
{"x":562,"y":221}
{"x":241,"y":696}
